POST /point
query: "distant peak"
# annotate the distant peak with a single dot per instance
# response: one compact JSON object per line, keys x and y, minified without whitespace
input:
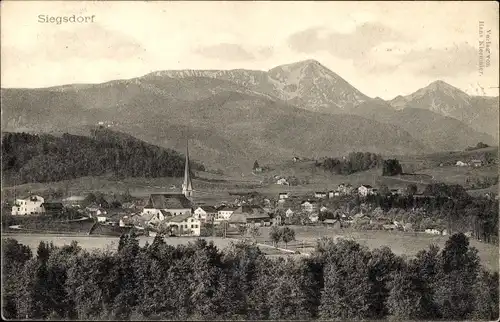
{"x":440,"y":84}
{"x":301,"y":63}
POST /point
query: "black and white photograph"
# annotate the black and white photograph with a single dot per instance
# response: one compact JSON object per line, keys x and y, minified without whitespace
{"x":249,"y":160}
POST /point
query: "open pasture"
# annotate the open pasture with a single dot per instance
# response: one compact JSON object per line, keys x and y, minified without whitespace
{"x":401,"y":243}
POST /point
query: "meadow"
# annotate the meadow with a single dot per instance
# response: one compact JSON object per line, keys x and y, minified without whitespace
{"x":401,"y":243}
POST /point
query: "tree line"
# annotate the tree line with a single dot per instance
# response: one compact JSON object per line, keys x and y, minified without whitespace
{"x":45,"y":158}
{"x":354,"y":162}
{"x":340,"y":280}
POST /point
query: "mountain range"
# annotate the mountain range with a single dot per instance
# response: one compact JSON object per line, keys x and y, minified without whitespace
{"x":233,"y":117}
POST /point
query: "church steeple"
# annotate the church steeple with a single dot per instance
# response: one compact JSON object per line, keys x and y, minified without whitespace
{"x":187,"y":185}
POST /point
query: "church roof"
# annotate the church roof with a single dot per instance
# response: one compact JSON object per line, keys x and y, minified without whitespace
{"x":187,"y":185}
{"x":168,"y":201}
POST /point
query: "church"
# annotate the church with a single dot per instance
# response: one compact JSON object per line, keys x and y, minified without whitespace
{"x":161,"y":206}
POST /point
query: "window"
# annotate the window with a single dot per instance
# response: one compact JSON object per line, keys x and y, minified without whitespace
{"x":192,"y":226}
{"x":195,"y":226}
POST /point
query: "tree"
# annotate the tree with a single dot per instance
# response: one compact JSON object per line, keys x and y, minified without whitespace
{"x":404,"y":301}
{"x":411,"y":189}
{"x":454,"y":287}
{"x":275,"y":235}
{"x":256,"y":165}
{"x":242,"y":229}
{"x":384,"y":190}
{"x":391,"y":167}
{"x":287,"y":235}
{"x":254,"y":231}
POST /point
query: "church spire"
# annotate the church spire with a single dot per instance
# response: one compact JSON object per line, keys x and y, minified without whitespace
{"x":187,"y":185}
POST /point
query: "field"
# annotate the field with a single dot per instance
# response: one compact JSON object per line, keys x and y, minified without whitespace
{"x":111,"y":243}
{"x":401,"y":243}
{"x":211,"y":187}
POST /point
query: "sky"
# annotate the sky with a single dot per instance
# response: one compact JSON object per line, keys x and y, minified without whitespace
{"x":383,"y":49}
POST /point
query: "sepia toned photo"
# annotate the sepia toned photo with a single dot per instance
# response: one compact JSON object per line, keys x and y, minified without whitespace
{"x":250,"y":160}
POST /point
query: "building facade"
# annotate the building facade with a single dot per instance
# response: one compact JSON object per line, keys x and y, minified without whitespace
{"x":31,"y":205}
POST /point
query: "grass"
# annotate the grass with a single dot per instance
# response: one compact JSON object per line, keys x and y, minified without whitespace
{"x":401,"y":243}
{"x":111,"y":243}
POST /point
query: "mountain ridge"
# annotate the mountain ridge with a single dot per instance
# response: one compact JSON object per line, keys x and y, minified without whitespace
{"x":231,"y":112}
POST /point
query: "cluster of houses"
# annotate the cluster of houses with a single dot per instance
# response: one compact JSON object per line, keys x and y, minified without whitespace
{"x":472,"y":163}
{"x":35,"y":205}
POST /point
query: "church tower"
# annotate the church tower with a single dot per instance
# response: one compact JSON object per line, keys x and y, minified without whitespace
{"x":187,"y":185}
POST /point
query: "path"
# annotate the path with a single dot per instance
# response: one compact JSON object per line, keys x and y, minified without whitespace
{"x":270,"y":246}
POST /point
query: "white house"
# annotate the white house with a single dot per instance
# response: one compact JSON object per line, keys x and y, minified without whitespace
{"x":31,"y":205}
{"x":282,"y":182}
{"x":433,"y":231}
{"x":205,"y":213}
{"x":476,"y":163}
{"x":224,"y":214}
{"x":323,"y":209}
{"x":461,"y":164}
{"x":331,"y":194}
{"x":283,"y":195}
{"x":174,"y":204}
{"x":309,"y":206}
{"x":289,"y":213}
{"x":314,"y":217}
{"x":185,"y":225}
{"x":365,"y":190}
{"x":320,"y":195}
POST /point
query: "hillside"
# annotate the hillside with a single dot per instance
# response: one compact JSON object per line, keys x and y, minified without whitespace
{"x":436,"y":131}
{"x":228,"y":129}
{"x":236,"y":116}
{"x":481,"y":113}
{"x":46,"y":158}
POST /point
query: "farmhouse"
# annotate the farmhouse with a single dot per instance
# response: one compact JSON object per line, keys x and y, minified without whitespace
{"x":461,"y":164}
{"x":282,"y":182}
{"x":52,"y":208}
{"x":320,"y":195}
{"x":31,"y":205}
{"x":309,"y":205}
{"x":250,"y":214}
{"x":224,"y":213}
{"x":73,"y":201}
{"x":184,"y":225}
{"x":476,"y":163}
{"x":365,"y":190}
{"x":205,"y":213}
{"x":314,"y":217}
{"x":283,"y":195}
{"x":175,"y":204}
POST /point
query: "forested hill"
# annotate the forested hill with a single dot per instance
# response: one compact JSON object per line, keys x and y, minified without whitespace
{"x":44,"y":158}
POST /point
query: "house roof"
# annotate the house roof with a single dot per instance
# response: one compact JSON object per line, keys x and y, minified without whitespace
{"x":249,"y":212}
{"x":179,"y":218}
{"x":168,"y":201}
{"x":208,"y":208}
{"x":366,"y":186}
{"x":32,"y":198}
{"x":165,"y":213}
{"x":227,"y":208}
{"x":74,"y":198}
{"x":52,"y":205}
